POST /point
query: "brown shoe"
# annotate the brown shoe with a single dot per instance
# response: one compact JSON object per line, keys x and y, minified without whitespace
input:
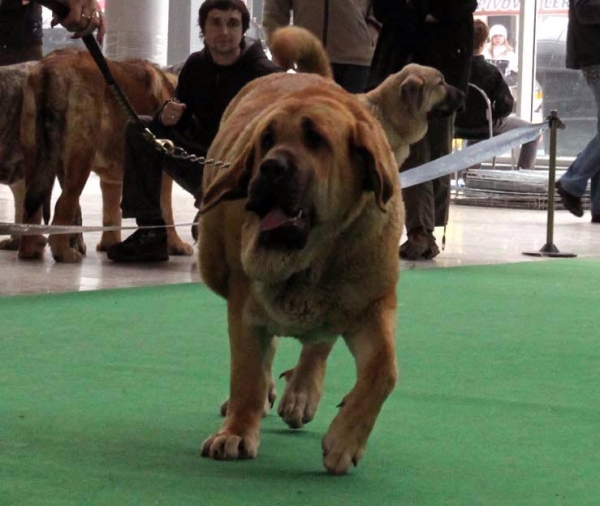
{"x":419,"y":246}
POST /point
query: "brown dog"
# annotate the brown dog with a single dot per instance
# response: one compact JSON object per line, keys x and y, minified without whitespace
{"x":71,"y":125}
{"x":402,"y":103}
{"x":300,"y":236}
{"x":12,"y":81}
{"x":277,"y":276}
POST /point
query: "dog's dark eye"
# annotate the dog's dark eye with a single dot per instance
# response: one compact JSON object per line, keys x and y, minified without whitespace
{"x":312,"y":138}
{"x":267,"y":141}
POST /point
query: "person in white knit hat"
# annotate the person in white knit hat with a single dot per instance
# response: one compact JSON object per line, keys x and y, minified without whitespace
{"x":500,"y":52}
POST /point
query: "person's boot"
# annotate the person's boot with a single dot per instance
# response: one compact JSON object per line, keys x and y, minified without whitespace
{"x":595,"y":218}
{"x":570,"y":201}
{"x":144,"y":245}
{"x":420,"y":245}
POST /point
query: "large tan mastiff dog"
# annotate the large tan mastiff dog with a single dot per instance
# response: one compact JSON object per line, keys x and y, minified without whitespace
{"x":301,"y":235}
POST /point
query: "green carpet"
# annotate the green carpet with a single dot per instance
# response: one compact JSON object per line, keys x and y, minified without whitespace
{"x":105,"y":398}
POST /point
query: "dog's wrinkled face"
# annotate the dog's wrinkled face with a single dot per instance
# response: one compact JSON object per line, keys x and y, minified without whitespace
{"x":279,"y":192}
{"x":308,"y":171}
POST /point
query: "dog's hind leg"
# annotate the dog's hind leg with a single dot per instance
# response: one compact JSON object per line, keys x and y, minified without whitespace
{"x":82,"y":118}
{"x":66,"y":212}
{"x":76,"y":241}
{"x":304,"y":384}
{"x":32,"y":246}
{"x":18,"y":191}
{"x":111,"y":213}
{"x":39,"y":178}
{"x":372,"y":345}
{"x":176,"y":245}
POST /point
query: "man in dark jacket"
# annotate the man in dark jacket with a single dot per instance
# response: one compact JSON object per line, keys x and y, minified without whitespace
{"x":489,"y":78}
{"x":20,"y":31}
{"x":437,"y":33}
{"x":208,"y":81}
{"x":583,"y":52}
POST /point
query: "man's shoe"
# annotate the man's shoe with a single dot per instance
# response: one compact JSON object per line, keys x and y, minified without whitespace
{"x":144,"y":245}
{"x":419,"y":246}
{"x":595,"y":218}
{"x":571,"y":202}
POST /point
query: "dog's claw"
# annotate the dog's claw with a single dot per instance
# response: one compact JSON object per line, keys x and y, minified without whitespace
{"x":226,"y":446}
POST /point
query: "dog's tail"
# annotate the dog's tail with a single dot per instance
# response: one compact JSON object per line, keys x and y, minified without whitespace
{"x":36,"y":124}
{"x":296,"y":48}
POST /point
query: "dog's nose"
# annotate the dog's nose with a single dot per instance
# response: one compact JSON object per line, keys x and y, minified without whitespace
{"x":276,"y":168}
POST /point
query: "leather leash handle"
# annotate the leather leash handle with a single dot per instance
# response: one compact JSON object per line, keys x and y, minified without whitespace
{"x":61,"y":10}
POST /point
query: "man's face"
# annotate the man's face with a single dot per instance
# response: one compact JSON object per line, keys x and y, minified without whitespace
{"x":223,"y":31}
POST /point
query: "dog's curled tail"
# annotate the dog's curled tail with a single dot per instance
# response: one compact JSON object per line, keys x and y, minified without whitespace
{"x":295,"y":47}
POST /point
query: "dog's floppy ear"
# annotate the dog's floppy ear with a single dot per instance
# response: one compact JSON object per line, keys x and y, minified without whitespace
{"x":231,"y":183}
{"x":372,"y":150}
{"x":412,"y":91}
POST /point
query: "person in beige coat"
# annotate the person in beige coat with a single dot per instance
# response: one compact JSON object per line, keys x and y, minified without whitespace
{"x":346,"y":28}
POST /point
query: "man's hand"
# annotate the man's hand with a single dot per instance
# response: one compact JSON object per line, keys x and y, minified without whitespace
{"x":171,"y":113}
{"x":84,"y":18}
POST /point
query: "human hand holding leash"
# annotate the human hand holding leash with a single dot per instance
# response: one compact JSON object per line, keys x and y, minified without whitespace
{"x":83,"y":17}
{"x":172,"y":112}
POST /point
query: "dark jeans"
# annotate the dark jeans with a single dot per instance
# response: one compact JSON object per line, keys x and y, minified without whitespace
{"x":427,"y":204}
{"x":352,"y":78}
{"x":143,"y":170}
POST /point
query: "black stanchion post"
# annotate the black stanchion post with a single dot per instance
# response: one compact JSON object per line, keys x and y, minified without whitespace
{"x":549,"y":249}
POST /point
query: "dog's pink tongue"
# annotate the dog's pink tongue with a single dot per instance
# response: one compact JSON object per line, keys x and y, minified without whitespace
{"x":274,"y":219}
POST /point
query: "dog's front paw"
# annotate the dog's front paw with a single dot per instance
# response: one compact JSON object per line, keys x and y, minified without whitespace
{"x":32,"y":247}
{"x":342,"y":448}
{"x":228,"y":446}
{"x":179,"y":247}
{"x":67,"y":256}
{"x":11,"y":244}
{"x":300,"y":400}
{"x":66,"y":250}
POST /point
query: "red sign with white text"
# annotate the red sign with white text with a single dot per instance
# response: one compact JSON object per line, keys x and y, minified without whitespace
{"x":504,"y":7}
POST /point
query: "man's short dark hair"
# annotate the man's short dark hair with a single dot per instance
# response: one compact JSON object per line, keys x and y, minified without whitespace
{"x":480,"y":33}
{"x":224,"y":5}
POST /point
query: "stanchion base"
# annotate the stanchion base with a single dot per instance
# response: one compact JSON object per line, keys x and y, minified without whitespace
{"x":549,"y":250}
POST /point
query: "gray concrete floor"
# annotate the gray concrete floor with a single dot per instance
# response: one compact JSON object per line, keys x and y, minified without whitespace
{"x":475,"y":236}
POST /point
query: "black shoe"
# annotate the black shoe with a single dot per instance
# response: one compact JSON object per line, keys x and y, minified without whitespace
{"x":145,"y":245}
{"x":571,"y":202}
{"x":595,"y":218}
{"x":420,"y":245}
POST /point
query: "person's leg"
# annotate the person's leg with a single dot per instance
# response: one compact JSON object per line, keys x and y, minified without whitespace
{"x":353,"y":78}
{"x":418,"y":199}
{"x":572,"y":185}
{"x":142,"y":175}
{"x":419,"y":204}
{"x":595,"y":197}
{"x":528,"y":152}
{"x":142,"y":180}
{"x":441,"y":133}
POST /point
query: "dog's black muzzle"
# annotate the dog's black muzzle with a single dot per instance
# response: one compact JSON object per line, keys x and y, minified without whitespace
{"x":275,"y":195}
{"x":454,"y":102}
